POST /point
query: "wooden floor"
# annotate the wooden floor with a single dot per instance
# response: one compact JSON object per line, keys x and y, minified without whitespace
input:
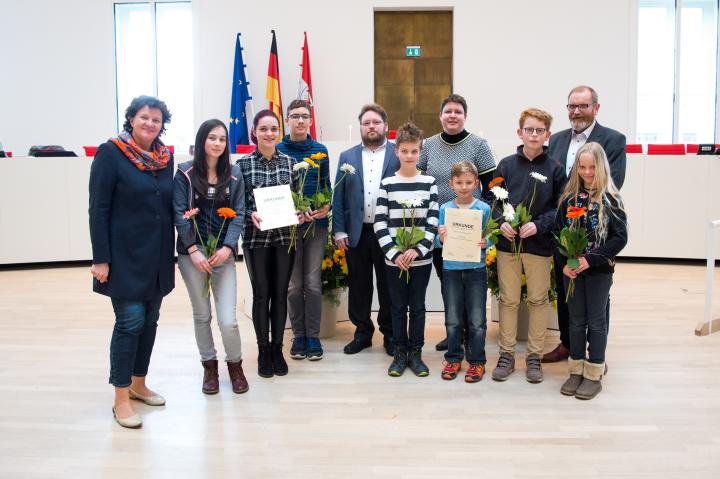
{"x":657,"y":417}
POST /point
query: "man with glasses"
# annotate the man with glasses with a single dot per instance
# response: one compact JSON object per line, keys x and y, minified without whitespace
{"x":352,"y":224}
{"x":305,"y":290}
{"x":582,"y":109}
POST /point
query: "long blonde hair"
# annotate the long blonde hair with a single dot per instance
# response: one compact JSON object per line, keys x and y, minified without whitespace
{"x":603,"y":190}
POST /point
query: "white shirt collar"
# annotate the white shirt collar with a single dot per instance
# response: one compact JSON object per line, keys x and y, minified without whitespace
{"x":587,"y":131}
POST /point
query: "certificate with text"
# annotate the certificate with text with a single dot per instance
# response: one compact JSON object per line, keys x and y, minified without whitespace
{"x":275,"y":207}
{"x":464,"y":233}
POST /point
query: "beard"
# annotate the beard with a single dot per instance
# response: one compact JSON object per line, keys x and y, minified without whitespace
{"x":580,"y":123}
{"x":373,"y":138}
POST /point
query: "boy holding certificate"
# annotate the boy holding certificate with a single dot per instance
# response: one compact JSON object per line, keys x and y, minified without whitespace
{"x":464,"y":286}
{"x":406,"y":218}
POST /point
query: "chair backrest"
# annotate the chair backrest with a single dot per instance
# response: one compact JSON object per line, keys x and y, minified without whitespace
{"x":392,"y":134}
{"x":90,"y":150}
{"x":634,"y":148}
{"x":243,"y":149}
{"x":678,"y":149}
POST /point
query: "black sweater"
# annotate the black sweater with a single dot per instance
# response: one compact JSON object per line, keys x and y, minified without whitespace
{"x":600,"y":255}
{"x":516,"y":169}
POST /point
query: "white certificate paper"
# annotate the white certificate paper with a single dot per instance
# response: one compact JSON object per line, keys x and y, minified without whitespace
{"x":464,"y":233}
{"x":275,"y":207}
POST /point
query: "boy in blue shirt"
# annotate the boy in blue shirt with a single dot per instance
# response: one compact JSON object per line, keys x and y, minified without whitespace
{"x":464,"y":285}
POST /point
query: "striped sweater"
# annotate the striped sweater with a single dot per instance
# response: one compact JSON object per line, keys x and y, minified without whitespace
{"x":389,"y":214}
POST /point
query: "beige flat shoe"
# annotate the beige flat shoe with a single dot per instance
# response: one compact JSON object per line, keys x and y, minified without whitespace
{"x":156,"y":400}
{"x":132,"y":422}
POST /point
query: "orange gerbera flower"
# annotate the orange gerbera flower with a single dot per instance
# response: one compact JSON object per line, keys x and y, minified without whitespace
{"x":311,"y":163}
{"x":496,"y":181}
{"x":574,"y":212}
{"x":318,"y":156}
{"x":226,"y":213}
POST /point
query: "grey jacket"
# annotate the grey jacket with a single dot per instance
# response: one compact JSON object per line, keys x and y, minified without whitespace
{"x":184,"y":200}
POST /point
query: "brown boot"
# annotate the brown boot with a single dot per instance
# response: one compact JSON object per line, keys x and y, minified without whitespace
{"x":561,"y":353}
{"x":237,"y":377}
{"x":210,"y":378}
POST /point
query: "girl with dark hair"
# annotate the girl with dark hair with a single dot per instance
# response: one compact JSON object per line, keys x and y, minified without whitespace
{"x":202,"y":187}
{"x":132,"y":243}
{"x":268,"y":260}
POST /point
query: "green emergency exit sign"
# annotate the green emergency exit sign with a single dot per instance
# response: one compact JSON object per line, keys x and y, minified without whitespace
{"x":412,"y":51}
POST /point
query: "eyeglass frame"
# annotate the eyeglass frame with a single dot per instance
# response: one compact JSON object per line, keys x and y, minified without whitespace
{"x":532,"y":131}
{"x":581,"y":106}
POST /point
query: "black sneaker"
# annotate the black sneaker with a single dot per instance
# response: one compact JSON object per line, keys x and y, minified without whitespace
{"x":314,"y":350}
{"x":400,"y":362}
{"x":298,"y":348}
{"x":416,"y":363}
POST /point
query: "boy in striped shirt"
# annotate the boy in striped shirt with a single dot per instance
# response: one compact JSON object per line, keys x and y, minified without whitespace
{"x":407,"y":200}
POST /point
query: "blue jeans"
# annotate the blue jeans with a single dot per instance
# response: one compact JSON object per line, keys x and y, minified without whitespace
{"x":465,"y":290}
{"x":406,"y":295}
{"x":588,"y":320}
{"x":224,"y":292}
{"x":132,"y":339}
{"x":305,"y":290}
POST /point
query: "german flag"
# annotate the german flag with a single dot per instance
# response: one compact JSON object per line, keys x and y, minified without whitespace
{"x":272,"y":91}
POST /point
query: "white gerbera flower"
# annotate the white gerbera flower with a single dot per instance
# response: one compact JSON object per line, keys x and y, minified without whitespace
{"x":508,"y":212}
{"x":417,"y":202}
{"x":348,"y":168}
{"x":411,"y":203}
{"x":499,"y":192}
{"x":537,"y":176}
{"x":301,"y":166}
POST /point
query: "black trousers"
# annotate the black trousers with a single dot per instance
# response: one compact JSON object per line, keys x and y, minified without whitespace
{"x":562,"y":308}
{"x":362,"y":259}
{"x":269,"y":270}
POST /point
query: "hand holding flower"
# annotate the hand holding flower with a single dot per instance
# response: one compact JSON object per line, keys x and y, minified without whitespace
{"x":528,"y":229}
{"x":220,"y":256}
{"x":507,"y":231}
{"x":200,"y":262}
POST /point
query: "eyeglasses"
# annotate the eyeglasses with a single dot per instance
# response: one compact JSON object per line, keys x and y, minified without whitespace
{"x":372,"y":122}
{"x":583,"y":106}
{"x":530,"y":131}
{"x":297,"y":116}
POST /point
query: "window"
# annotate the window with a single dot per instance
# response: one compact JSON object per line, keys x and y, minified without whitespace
{"x":677,"y":99}
{"x":153,"y":54}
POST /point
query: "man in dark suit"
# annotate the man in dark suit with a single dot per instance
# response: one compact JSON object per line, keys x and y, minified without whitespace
{"x":352,"y":223}
{"x":582,"y":109}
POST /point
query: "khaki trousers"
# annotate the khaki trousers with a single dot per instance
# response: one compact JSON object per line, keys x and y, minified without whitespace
{"x":537,"y":273}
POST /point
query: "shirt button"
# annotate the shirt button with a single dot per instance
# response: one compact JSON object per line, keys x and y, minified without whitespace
{"x":157,"y":193}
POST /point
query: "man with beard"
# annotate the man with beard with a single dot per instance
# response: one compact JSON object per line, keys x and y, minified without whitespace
{"x":582,"y":109}
{"x":352,"y":224}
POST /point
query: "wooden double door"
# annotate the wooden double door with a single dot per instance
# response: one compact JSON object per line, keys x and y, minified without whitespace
{"x":412,"y":88}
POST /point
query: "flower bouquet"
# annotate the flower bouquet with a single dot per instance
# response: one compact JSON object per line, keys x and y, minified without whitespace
{"x":210,"y":247}
{"x":334,"y":273}
{"x":491,"y":230}
{"x":572,"y":242}
{"x":407,"y":238}
{"x":521,"y":214}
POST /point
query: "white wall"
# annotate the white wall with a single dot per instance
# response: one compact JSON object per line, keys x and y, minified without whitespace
{"x":57,"y":83}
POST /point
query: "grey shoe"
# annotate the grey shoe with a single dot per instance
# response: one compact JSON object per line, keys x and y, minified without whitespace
{"x":588,"y":389}
{"x":576,"y":376}
{"x":534,"y":373}
{"x":591,"y":385}
{"x":570,"y":386}
{"x":505,"y":367}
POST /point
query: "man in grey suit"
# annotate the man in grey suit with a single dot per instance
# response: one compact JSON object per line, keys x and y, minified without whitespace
{"x":353,"y":214}
{"x":582,"y":109}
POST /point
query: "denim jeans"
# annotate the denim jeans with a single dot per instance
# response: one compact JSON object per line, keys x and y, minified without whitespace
{"x":588,"y":321}
{"x":305,"y":290}
{"x":132,"y":339}
{"x":465,"y":290}
{"x":224,"y":292}
{"x":406,"y":295}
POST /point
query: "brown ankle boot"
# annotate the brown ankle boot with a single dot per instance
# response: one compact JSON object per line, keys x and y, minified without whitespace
{"x":210,"y":378}
{"x":237,"y":377}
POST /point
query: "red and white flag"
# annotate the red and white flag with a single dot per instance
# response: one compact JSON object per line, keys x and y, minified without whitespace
{"x":305,"y":91}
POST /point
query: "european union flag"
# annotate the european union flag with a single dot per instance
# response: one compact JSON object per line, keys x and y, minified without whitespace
{"x":239,"y":134}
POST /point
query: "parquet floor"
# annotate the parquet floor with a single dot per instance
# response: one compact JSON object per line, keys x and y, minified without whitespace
{"x":657,"y":417}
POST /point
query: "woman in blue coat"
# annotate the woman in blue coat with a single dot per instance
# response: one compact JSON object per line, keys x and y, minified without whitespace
{"x":131,"y":229}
